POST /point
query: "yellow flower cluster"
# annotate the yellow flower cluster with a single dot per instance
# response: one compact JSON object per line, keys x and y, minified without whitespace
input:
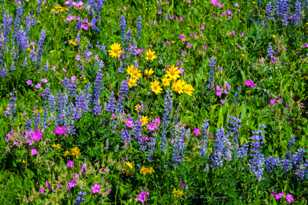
{"x":172,"y":77}
{"x":178,"y":193}
{"x":134,"y":75}
{"x":75,"y":151}
{"x":115,"y":50}
{"x":144,"y":120}
{"x":58,"y":9}
{"x":146,"y":170}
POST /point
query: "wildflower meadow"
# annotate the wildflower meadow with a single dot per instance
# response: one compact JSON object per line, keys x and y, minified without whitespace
{"x":153,"y":102}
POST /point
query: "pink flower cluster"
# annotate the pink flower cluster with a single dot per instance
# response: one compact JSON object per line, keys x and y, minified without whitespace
{"x":154,"y":124}
{"x":289,"y":197}
{"x":249,"y":84}
{"x":222,"y":90}
{"x":77,"y":5}
{"x":143,"y":196}
{"x":217,"y":3}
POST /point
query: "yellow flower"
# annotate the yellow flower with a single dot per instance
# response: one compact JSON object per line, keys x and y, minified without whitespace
{"x":75,"y":151}
{"x":56,"y":146}
{"x":178,"y":86}
{"x":115,"y":50}
{"x":148,"y":72}
{"x":73,"y":42}
{"x":130,"y":165}
{"x":132,"y":82}
{"x":166,"y":81}
{"x":133,"y":72}
{"x":58,"y":9}
{"x":188,"y":89}
{"x":144,"y":120}
{"x":155,"y":87}
{"x":178,"y":193}
{"x":138,"y":107}
{"x":66,"y":153}
{"x":150,"y":55}
{"x":146,"y":170}
{"x":173,"y":73}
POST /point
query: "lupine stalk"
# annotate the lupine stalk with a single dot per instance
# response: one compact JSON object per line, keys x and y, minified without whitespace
{"x":139,"y":27}
{"x":217,"y":155}
{"x":257,"y":158}
{"x":123,"y":27}
{"x":40,"y":46}
{"x":204,"y":141}
{"x":110,"y":106}
{"x":166,"y":119}
{"x":178,"y":146}
{"x":212,"y":64}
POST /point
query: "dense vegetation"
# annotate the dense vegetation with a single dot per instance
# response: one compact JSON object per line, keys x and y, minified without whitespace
{"x":153,"y":102}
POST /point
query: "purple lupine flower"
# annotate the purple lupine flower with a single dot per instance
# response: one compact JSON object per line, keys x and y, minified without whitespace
{"x":139,"y":26}
{"x":7,"y":22}
{"x":61,"y":108}
{"x":204,"y":141}
{"x":93,"y":24}
{"x":233,"y":128}
{"x":17,"y":21}
{"x":269,"y":11}
{"x":297,"y":15}
{"x":11,"y":107}
{"x":2,"y":73}
{"x":97,"y":92}
{"x":51,"y":103}
{"x":217,"y":155}
{"x":22,"y":39}
{"x":212,"y":64}
{"x":178,"y":146}
{"x":37,"y":120}
{"x":298,"y":157}
{"x":257,"y":158}
{"x":40,"y":46}
{"x":166,"y":119}
{"x":242,"y":151}
{"x":270,"y":51}
{"x":123,"y":27}
{"x":283,"y":11}
{"x":125,"y":136}
{"x":123,"y":88}
{"x":110,"y":106}
{"x":128,"y":36}
{"x":138,"y":129}
{"x":271,"y":163}
{"x":80,"y":198}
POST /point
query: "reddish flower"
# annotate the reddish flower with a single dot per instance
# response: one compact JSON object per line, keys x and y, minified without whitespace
{"x":36,"y":135}
{"x":34,"y":152}
{"x":217,"y":4}
{"x":196,"y":132}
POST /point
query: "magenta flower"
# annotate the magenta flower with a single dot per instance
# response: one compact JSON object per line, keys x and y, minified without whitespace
{"x":34,"y":152}
{"x":44,"y":80}
{"x":70,"y":164}
{"x":305,"y":45}
{"x":182,"y":37}
{"x":42,"y":190}
{"x":290,"y":198}
{"x":29,"y":82}
{"x":77,"y":5}
{"x":38,"y":86}
{"x":85,"y":24}
{"x":196,"y":132}
{"x":71,"y":184}
{"x":129,"y":122}
{"x":218,"y":91}
{"x":277,"y":196}
{"x":143,"y":196}
{"x":272,"y":101}
{"x":36,"y":135}
{"x":60,"y":130}
{"x":249,"y":84}
{"x":217,"y":4}
{"x":152,"y":126}
{"x":96,"y":188}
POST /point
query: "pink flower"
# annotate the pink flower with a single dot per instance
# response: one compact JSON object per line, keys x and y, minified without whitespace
{"x":70,"y":18}
{"x":83,"y":168}
{"x":217,"y":4}
{"x":218,"y":91}
{"x":36,"y":135}
{"x":272,"y":101}
{"x":34,"y":152}
{"x":196,"y":132}
{"x":277,"y":196}
{"x":60,"y":130}
{"x":29,"y":82}
{"x":96,"y":188}
{"x":289,"y":198}
{"x":129,"y":122}
{"x":38,"y":86}
{"x":85,"y":25}
{"x":42,"y":190}
{"x":143,"y":196}
{"x":70,"y":164}
{"x":44,"y":80}
{"x":305,"y":45}
{"x":249,"y":84}
{"x":182,"y":37}
{"x":71,"y":184}
{"x":78,"y":5}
